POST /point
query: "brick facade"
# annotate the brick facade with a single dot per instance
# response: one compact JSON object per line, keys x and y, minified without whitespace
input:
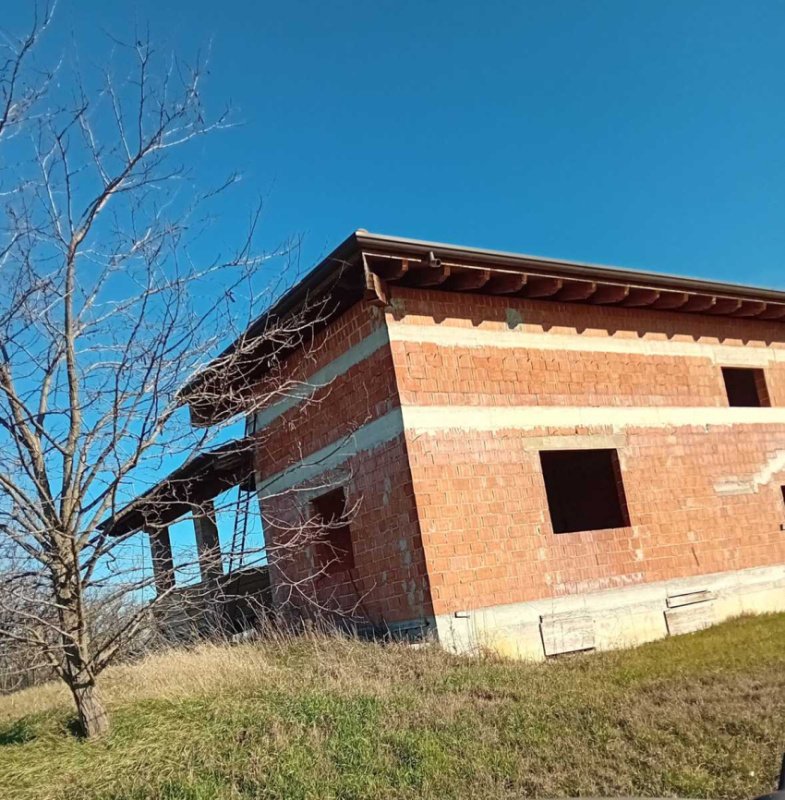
{"x":388,"y":583}
{"x":434,"y":417}
{"x":480,"y":494}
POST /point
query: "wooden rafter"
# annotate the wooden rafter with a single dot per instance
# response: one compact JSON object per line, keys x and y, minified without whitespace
{"x":539,"y":286}
{"x":468,"y":280}
{"x":751,"y":308}
{"x":576,"y":290}
{"x":610,"y":294}
{"x":429,"y":276}
{"x":506,"y":283}
{"x":641,"y":298}
{"x":428,"y":271}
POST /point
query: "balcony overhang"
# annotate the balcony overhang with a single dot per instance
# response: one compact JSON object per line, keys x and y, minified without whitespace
{"x":187,"y":489}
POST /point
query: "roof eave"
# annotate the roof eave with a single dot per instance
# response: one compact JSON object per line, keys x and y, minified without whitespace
{"x":580,"y":270}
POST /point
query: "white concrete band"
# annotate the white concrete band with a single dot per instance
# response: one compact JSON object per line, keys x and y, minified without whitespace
{"x":366,"y":437}
{"x":432,"y":419}
{"x":321,"y":378}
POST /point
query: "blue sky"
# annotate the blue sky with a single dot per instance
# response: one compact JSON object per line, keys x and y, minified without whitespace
{"x":639,"y":133}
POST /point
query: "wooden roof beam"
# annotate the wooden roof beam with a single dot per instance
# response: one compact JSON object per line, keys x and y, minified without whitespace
{"x":429,"y":276}
{"x":429,"y":272}
{"x":610,"y":294}
{"x":376,"y":290}
{"x":388,"y":269}
{"x":467,"y":280}
{"x":751,"y":308}
{"x":699,"y":303}
{"x":671,"y":301}
{"x":641,"y":298}
{"x":773,"y":311}
{"x":506,"y":283}
{"x":725,"y":305}
{"x":538,"y":286}
{"x":576,"y":290}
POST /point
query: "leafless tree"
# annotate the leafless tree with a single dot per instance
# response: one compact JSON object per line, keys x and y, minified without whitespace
{"x":111,"y":301}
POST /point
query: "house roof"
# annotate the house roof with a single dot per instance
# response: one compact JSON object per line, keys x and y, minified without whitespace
{"x":367,"y":264}
{"x":466,"y":257}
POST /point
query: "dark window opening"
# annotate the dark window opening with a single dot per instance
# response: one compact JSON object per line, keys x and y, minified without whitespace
{"x":333,"y":551}
{"x":584,"y":490}
{"x":745,"y":387}
{"x":782,"y":489}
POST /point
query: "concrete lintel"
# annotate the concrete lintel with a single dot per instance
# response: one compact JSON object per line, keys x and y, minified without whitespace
{"x":578,"y":442}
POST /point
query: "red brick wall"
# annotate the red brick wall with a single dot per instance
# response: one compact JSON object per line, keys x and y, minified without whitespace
{"x":388,"y":583}
{"x":480,"y":493}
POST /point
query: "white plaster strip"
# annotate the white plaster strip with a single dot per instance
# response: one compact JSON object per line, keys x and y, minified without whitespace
{"x":506,"y":339}
{"x":431,"y":419}
{"x":366,"y":437}
{"x":334,"y":369}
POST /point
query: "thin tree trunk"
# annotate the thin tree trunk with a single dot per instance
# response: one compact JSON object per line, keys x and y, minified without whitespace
{"x":79,"y":674}
{"x":93,"y":717}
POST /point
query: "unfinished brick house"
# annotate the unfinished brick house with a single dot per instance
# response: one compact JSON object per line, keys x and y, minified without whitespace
{"x":544,"y":456}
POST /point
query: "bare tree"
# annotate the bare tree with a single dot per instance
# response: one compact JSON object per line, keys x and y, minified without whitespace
{"x":111,"y":301}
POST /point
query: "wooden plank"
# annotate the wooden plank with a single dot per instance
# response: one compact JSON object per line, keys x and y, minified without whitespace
{"x":566,"y":633}
{"x":689,"y":598}
{"x":690,"y":618}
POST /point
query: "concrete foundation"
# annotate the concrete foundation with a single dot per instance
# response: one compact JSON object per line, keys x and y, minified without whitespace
{"x":614,"y":618}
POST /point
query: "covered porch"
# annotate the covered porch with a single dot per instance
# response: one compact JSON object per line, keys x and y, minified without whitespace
{"x":230,"y":588}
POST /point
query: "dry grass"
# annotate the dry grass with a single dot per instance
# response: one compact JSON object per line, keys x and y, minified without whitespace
{"x":317,"y":717}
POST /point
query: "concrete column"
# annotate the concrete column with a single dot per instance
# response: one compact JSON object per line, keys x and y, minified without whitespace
{"x":207,"y":545}
{"x":163,"y":564}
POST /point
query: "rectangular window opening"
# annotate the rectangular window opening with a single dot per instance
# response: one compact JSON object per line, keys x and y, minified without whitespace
{"x":745,"y":387}
{"x":584,"y":489}
{"x":334,"y":551}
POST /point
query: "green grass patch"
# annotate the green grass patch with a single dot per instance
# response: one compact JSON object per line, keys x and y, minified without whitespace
{"x":695,"y":716}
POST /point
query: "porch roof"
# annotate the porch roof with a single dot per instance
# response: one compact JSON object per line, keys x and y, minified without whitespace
{"x":183,"y":490}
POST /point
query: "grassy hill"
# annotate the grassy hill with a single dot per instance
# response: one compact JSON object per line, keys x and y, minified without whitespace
{"x":698,"y":716}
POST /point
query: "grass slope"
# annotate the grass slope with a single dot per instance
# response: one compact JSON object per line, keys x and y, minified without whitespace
{"x":696,"y":716}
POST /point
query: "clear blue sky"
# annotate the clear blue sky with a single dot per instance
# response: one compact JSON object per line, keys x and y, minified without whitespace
{"x":646,"y":134}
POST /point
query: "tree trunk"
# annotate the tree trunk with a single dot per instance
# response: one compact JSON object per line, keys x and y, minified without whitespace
{"x":78,"y":670}
{"x":93,"y":717}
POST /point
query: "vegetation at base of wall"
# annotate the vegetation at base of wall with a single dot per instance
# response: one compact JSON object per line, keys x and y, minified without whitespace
{"x":317,"y":717}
